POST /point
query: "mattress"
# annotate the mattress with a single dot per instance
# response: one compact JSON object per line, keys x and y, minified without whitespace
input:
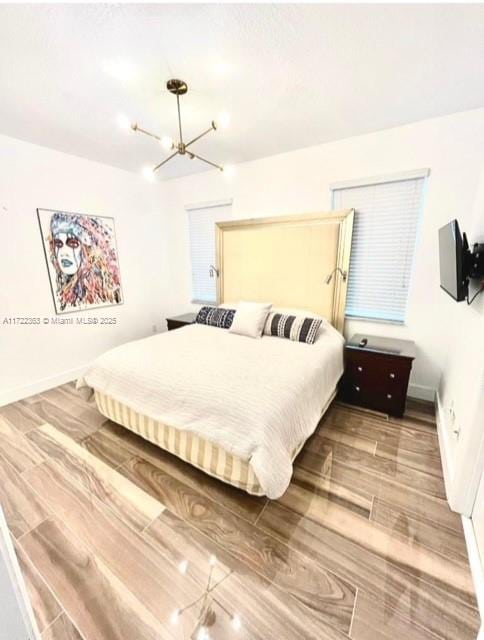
{"x":199,"y":452}
{"x":255,"y":399}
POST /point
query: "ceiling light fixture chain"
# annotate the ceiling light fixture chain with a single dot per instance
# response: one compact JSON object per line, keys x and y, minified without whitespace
{"x":178,"y":88}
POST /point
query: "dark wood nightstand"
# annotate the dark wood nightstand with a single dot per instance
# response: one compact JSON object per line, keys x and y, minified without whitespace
{"x":376,"y":375}
{"x":180,"y":321}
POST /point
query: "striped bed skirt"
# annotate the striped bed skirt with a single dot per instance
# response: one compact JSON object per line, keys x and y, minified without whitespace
{"x":200,"y":453}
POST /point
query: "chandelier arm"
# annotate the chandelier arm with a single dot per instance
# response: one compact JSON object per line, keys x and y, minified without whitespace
{"x":135,"y":127}
{"x":200,"y":136}
{"x":165,"y":161}
{"x":194,"y":155}
{"x":206,"y":592}
{"x":179,"y":117}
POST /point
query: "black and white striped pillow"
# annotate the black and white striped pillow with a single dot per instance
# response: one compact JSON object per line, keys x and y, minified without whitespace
{"x":296,"y":328}
{"x":216,"y":317}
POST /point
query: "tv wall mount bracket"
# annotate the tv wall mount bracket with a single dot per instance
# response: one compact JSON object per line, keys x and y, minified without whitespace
{"x":474,"y":267}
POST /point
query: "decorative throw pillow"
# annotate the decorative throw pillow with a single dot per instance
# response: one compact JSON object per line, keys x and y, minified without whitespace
{"x":215,"y":317}
{"x":296,"y":328}
{"x":250,"y":319}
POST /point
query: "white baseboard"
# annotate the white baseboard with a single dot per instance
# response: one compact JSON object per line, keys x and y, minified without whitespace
{"x":421,"y":392}
{"x":444,"y":445}
{"x":475,"y":563}
{"x":17,"y":393}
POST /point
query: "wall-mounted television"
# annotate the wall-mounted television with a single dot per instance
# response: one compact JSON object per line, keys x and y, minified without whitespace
{"x":457,"y":262}
{"x":453,"y":249}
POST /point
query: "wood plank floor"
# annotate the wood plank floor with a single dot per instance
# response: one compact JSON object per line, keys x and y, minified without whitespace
{"x":114,"y":535}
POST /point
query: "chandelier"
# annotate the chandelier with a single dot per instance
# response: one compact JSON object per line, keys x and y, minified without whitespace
{"x":207,"y":603}
{"x":177,"y":88}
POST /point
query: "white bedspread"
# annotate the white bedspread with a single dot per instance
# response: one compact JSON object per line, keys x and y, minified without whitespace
{"x":256,"y":398}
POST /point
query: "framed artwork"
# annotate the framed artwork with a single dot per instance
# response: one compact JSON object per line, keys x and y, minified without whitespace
{"x":82,"y":260}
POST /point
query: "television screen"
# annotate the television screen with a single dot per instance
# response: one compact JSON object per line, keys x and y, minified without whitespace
{"x":452,"y":249}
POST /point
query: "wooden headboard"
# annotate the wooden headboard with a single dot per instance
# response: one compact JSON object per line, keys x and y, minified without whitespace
{"x":285,"y":260}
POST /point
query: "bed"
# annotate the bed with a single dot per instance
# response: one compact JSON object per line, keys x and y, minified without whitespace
{"x":236,"y":407}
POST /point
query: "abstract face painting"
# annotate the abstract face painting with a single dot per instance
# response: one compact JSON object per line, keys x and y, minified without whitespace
{"x":82,"y":260}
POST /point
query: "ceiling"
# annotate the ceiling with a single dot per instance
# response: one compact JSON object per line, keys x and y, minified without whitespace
{"x":289,"y":75}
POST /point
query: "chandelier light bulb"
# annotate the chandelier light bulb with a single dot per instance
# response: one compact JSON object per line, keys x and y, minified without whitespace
{"x":203,"y":634}
{"x":229,"y":171}
{"x":123,"y":122}
{"x":223,"y":120}
{"x":213,"y":561}
{"x":167,"y":143}
{"x":183,"y":566}
{"x":175,"y":616}
{"x":236,"y":623}
{"x":148,"y":174}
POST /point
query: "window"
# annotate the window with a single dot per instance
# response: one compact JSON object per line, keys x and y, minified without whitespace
{"x":201,"y":220}
{"x":387,"y":212}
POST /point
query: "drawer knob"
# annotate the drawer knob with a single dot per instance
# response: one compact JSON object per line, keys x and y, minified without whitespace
{"x":360,"y":368}
{"x":389,"y":396}
{"x":392,"y":375}
{"x":357,"y":388}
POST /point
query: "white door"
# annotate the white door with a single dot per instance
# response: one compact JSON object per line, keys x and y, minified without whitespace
{"x":478,"y":524}
{"x":17,"y":618}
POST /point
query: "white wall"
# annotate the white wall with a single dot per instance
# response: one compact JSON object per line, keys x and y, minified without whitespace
{"x":462,"y":385}
{"x":37,"y":357}
{"x":298,"y":182}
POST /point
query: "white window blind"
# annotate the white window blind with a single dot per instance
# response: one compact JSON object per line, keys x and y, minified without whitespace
{"x":387,"y":214}
{"x":202,"y":219}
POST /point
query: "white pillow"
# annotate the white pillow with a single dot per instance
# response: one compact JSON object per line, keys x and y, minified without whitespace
{"x":250,"y":318}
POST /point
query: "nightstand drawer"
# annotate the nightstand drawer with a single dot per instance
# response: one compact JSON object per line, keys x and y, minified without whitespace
{"x":366,"y":395}
{"x":375,"y":366}
{"x":380,"y":373}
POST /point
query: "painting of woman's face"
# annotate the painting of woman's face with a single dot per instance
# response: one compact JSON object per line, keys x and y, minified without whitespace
{"x":82,"y":260}
{"x":68,"y":253}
